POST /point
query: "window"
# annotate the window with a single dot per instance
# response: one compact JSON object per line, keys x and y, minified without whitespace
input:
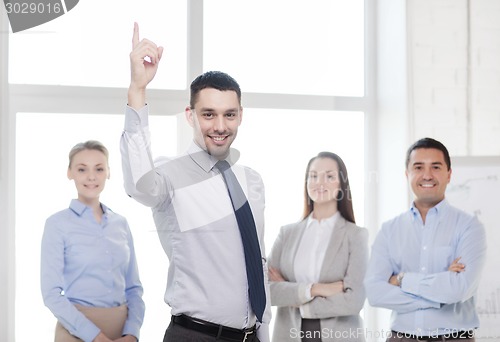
{"x":301,"y":71}
{"x":89,"y":45}
{"x":43,"y":143}
{"x":287,"y":46}
{"x":279,"y":143}
{"x":276,"y":143}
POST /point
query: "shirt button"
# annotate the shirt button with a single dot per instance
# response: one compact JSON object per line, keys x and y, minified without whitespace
{"x":423,"y":268}
{"x":424,"y":248}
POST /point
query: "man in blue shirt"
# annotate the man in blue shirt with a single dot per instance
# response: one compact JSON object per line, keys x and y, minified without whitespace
{"x":426,"y":263}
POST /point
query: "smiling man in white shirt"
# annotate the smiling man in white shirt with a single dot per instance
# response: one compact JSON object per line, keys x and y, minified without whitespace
{"x":207,"y":287}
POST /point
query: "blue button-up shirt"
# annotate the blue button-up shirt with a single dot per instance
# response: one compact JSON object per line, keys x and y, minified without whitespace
{"x":431,"y":300}
{"x":92,"y":264}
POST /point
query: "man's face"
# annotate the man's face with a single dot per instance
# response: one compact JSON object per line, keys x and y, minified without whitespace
{"x":428,"y":176}
{"x":215,"y":119}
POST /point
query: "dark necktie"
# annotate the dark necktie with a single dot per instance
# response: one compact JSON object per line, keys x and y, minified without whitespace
{"x":246,"y":224}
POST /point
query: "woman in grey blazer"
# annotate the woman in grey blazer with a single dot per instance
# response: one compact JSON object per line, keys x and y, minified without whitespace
{"x":317,"y":265}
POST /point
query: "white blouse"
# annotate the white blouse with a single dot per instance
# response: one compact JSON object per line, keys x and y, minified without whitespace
{"x":312,"y":250}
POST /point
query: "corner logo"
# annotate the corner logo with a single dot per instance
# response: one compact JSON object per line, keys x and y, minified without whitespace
{"x":25,"y":14}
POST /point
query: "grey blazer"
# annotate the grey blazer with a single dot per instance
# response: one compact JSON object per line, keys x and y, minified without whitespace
{"x":346,"y":259}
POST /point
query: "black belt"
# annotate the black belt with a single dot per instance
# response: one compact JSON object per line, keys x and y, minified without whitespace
{"x":454,"y":335}
{"x":215,"y":330}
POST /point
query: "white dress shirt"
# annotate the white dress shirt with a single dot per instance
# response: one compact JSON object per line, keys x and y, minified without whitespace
{"x":196,"y":225}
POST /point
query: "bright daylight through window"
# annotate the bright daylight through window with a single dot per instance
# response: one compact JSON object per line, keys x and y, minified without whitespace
{"x":314,"y":51}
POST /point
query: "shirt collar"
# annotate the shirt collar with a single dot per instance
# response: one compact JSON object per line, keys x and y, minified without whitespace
{"x":437,"y":209}
{"x":330,"y":221}
{"x":79,"y":208}
{"x":206,"y":161}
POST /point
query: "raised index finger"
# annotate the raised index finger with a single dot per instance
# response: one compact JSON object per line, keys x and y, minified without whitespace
{"x":135,"y":37}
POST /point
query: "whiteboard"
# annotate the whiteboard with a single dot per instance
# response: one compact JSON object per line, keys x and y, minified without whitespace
{"x":475,"y":188}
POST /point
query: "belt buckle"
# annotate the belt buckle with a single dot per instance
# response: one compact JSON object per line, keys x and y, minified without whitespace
{"x":247,"y":333}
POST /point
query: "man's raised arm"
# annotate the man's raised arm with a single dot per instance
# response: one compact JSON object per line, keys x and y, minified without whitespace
{"x":144,"y":60}
{"x":140,"y":179}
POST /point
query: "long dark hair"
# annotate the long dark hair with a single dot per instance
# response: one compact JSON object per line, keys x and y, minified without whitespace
{"x":344,"y":198}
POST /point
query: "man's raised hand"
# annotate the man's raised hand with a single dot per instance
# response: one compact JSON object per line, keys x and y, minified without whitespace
{"x":144,"y":60}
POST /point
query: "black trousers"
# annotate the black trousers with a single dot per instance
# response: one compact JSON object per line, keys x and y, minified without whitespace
{"x":177,"y":333}
{"x":311,"y":329}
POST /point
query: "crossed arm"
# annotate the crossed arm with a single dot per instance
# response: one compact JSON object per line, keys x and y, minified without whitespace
{"x":329,"y":299}
{"x":455,"y":266}
{"x":417,"y":291}
{"x":317,"y":289}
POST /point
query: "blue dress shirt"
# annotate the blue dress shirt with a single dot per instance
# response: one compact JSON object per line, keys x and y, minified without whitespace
{"x":92,"y":264}
{"x":431,"y":300}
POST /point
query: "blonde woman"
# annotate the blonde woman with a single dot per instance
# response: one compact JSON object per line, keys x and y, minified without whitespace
{"x":89,"y":275}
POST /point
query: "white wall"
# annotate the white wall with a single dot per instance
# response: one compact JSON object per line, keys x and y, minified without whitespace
{"x":438,"y":75}
{"x":454,"y":63}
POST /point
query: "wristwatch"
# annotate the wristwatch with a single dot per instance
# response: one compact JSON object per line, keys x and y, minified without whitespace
{"x":400,"y":277}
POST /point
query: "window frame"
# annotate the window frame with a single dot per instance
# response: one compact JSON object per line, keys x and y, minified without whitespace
{"x":70,"y":99}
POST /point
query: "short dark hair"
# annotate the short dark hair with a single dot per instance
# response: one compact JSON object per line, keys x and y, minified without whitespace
{"x":213,"y":79}
{"x":429,"y":143}
{"x":344,"y":197}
